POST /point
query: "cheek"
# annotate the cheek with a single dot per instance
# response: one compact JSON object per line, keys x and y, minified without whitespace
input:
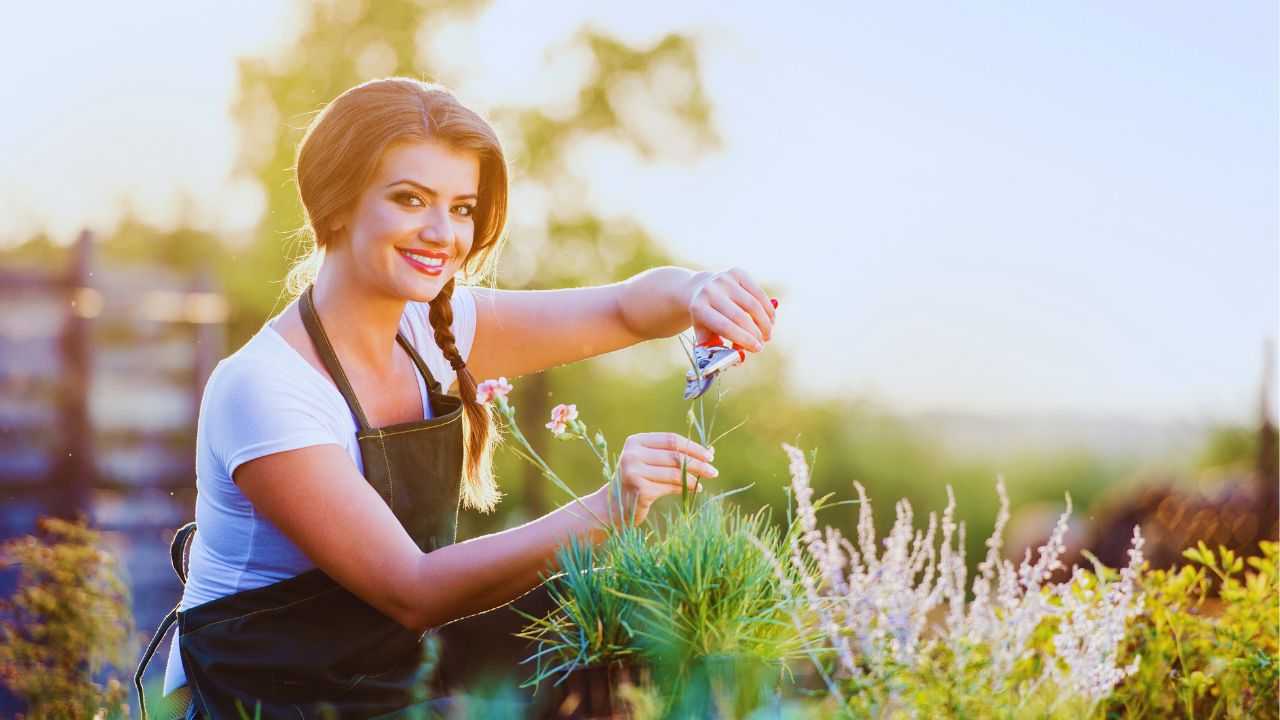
{"x":386,"y":220}
{"x":465,"y":232}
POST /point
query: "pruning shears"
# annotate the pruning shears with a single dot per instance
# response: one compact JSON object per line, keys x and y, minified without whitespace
{"x":711,"y":357}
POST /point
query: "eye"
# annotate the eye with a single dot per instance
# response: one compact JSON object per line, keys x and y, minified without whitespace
{"x":466,"y":210}
{"x":408,"y":198}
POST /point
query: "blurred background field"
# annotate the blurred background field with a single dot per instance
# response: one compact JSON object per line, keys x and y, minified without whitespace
{"x":1037,"y":243}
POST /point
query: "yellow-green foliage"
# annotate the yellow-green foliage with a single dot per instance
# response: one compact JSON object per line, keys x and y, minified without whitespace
{"x":1206,"y":657}
{"x":68,"y":623}
{"x":1198,"y":656}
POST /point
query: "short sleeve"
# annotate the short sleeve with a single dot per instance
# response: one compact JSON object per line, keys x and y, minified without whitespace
{"x":249,"y":412}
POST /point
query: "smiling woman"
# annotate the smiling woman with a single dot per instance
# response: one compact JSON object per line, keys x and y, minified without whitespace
{"x":331,"y":462}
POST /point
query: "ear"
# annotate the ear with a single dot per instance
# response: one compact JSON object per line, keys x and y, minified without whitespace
{"x":339,"y":221}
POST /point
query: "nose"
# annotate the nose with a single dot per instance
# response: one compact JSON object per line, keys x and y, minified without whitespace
{"x":436,"y":229}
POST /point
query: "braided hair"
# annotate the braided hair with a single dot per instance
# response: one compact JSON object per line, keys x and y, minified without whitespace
{"x":482,"y":490}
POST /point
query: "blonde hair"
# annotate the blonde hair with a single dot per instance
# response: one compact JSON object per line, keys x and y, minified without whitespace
{"x":337,"y":159}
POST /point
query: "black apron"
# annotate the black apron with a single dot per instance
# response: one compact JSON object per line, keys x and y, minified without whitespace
{"x":306,"y":646}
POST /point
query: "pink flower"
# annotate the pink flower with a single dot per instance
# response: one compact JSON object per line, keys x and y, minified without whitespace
{"x":490,"y":390}
{"x":561,"y":416}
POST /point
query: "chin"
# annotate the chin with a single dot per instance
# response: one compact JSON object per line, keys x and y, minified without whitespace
{"x":423,"y":290}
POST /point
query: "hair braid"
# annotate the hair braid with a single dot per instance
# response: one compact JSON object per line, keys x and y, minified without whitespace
{"x":480,"y":490}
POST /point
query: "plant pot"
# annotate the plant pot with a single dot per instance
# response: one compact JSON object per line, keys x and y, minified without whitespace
{"x":592,"y":693}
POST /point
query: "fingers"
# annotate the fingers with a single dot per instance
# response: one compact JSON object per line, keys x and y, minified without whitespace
{"x":763,"y":323}
{"x":742,"y":312}
{"x":667,"y":480}
{"x":756,"y":292}
{"x":659,"y":462}
{"x":673,"y":442}
{"x":740,"y":328}
{"x":651,"y":462}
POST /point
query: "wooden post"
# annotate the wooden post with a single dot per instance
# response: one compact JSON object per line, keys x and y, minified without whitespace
{"x":1267,"y":470}
{"x":73,"y":473}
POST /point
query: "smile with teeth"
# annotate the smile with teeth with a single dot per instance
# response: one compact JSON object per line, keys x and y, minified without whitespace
{"x":428,"y":263}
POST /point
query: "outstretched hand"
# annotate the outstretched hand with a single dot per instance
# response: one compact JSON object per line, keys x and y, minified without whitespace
{"x":729,"y":304}
{"x":650,"y":467}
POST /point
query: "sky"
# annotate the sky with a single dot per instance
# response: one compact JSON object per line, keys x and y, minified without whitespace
{"x":1023,"y":209}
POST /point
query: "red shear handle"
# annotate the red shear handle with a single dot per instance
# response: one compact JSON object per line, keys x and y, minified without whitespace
{"x":717,"y":341}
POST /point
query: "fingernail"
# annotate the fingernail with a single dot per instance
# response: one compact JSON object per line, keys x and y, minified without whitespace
{"x":715,"y":472}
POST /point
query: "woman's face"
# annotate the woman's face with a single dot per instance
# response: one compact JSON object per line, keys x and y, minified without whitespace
{"x":412,"y":227}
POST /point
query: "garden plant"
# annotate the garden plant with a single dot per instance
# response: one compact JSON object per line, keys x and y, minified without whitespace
{"x":690,"y":603}
{"x":66,"y":633}
{"x":904,"y":635}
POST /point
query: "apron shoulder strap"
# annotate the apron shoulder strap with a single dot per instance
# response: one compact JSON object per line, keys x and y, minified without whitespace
{"x":148,"y":654}
{"x":418,"y":361}
{"x":327,"y":356}
{"x":180,"y":549}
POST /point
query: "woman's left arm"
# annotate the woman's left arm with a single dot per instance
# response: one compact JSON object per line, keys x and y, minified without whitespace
{"x":526,"y":331}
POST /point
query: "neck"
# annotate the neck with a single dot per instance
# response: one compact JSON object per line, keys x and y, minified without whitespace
{"x":360,"y":322}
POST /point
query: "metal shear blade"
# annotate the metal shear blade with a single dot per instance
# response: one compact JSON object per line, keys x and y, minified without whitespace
{"x":710,"y":361}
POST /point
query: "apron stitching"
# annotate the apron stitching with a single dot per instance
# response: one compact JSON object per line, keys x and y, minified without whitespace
{"x":391,"y":482}
{"x":410,"y":430}
{"x":264,"y":610}
{"x":359,"y":679}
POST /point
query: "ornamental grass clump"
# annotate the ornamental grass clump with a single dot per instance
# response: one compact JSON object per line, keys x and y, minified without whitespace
{"x":689,"y":601}
{"x":693,"y":601}
{"x":901,"y":637}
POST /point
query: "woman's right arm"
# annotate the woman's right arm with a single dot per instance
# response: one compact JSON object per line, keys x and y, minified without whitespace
{"x":319,"y":500}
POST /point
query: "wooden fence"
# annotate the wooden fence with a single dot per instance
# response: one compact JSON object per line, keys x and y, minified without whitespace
{"x":101,"y":371}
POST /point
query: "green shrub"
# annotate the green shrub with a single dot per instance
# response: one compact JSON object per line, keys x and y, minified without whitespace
{"x":1207,"y":657}
{"x":67,"y":624}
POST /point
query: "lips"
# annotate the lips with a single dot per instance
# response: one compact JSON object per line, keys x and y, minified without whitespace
{"x":427,"y":262}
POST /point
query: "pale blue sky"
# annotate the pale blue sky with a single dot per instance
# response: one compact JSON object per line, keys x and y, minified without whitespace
{"x":1067,"y":206}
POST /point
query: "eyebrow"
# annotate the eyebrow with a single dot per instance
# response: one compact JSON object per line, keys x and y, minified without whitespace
{"x":428,"y":190}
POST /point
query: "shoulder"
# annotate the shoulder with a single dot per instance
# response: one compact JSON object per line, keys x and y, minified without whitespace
{"x":265,"y":398}
{"x":265,"y":365}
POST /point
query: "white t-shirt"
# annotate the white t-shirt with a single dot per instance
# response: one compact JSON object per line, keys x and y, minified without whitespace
{"x":266,"y":398}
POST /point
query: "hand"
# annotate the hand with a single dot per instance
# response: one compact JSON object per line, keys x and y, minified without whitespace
{"x":731,"y":305}
{"x":649,"y":468}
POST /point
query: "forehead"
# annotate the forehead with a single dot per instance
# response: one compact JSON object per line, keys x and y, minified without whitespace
{"x":430,"y":163}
